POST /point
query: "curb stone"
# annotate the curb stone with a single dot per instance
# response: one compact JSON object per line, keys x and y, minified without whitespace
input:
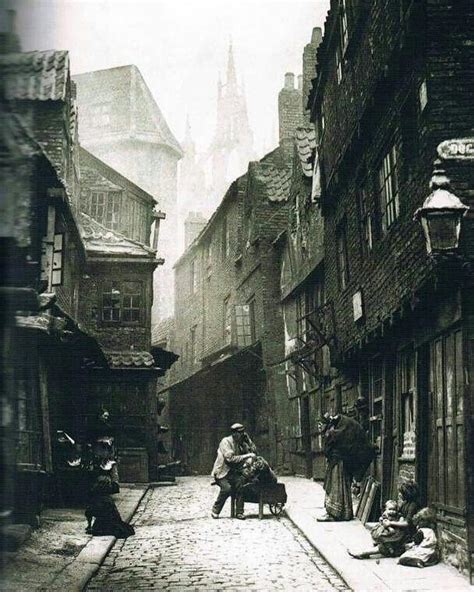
{"x":75,"y":576}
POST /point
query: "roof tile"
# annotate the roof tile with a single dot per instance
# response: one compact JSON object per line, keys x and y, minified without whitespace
{"x":35,"y":75}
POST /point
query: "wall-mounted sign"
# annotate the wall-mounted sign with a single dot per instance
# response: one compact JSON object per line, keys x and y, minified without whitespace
{"x":357,"y":306}
{"x":461,"y":148}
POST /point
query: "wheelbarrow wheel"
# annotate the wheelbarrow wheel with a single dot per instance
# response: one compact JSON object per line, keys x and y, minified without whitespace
{"x":276,"y":509}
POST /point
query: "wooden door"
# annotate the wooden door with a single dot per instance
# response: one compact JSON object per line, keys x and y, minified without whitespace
{"x":446,"y":462}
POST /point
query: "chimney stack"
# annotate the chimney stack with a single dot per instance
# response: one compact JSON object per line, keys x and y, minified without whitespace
{"x":193,"y":226}
{"x":290,"y":113}
{"x":309,"y":67}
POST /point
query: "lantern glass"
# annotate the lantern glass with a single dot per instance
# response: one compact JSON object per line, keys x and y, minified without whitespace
{"x":441,"y":230}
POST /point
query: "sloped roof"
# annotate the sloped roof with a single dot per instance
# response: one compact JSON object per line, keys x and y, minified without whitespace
{"x":129,"y":79}
{"x":275,"y":179}
{"x":130,"y":359}
{"x":161,"y":331}
{"x":100,"y":240}
{"x":306,"y":145}
{"x":35,"y":75}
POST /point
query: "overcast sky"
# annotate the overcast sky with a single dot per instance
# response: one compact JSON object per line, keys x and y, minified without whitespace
{"x":180,"y":46}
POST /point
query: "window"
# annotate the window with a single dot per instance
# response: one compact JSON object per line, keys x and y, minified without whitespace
{"x":192,"y":342}
{"x":101,"y":114}
{"x":338,"y":65}
{"x":245,"y":323}
{"x":122,"y":302}
{"x":342,"y":259}
{"x":423,"y":95}
{"x":208,"y":258}
{"x":105,"y":208}
{"x":376,"y":390}
{"x":365,"y":220}
{"x":225,"y":238}
{"x":131,"y":302}
{"x":343,"y":24}
{"x":58,"y":251}
{"x":388,"y":189}
{"x":193,"y":277}
{"x":406,"y":377}
{"x":28,"y":412}
{"x":227,"y":317}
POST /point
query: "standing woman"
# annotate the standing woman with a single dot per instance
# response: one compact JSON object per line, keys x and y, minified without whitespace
{"x":348,"y":454}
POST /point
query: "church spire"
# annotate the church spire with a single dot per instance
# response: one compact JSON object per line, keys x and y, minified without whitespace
{"x":231,"y":75}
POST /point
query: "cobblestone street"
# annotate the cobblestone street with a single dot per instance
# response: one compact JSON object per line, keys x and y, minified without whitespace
{"x":178,"y":546}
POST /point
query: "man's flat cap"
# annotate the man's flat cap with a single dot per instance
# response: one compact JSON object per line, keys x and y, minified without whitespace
{"x":237,"y":427}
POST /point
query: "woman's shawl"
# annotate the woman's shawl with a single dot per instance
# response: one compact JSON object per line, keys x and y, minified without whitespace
{"x":346,"y":440}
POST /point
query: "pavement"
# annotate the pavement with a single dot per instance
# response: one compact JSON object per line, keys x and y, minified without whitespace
{"x":60,"y":556}
{"x":334,"y":539}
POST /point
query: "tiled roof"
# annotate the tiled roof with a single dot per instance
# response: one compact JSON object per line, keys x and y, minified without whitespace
{"x":35,"y":75}
{"x":101,"y":240}
{"x":130,"y":359}
{"x":275,"y":179}
{"x":161,"y":331}
{"x":306,"y":145}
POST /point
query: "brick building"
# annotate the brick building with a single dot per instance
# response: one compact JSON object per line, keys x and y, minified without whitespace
{"x":43,"y":346}
{"x":228,"y":325}
{"x":393,"y":81}
{"x":115,"y":299}
{"x":121,"y":124}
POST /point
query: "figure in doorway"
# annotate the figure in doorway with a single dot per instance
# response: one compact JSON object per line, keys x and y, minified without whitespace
{"x":233,"y":450}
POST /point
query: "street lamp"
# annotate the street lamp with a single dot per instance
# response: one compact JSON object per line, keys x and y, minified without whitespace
{"x":441,"y":215}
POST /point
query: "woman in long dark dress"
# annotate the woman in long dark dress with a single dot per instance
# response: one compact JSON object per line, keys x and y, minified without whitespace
{"x":102,"y":508}
{"x":348,"y":453}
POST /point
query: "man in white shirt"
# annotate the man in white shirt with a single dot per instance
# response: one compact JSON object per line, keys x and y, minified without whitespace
{"x":232,"y":452}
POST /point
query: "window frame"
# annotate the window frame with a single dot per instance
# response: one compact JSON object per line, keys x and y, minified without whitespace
{"x":111,"y":205}
{"x":121,"y":308}
{"x":388,"y":189}
{"x":365,"y":219}
{"x":342,"y":254}
{"x":227,"y":321}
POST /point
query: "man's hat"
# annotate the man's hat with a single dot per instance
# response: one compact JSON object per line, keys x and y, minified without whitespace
{"x":237,"y":427}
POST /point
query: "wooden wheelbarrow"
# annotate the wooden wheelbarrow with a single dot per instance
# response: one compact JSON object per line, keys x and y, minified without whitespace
{"x":274,"y":495}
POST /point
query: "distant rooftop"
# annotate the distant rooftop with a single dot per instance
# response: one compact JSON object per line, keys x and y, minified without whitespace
{"x":35,"y":75}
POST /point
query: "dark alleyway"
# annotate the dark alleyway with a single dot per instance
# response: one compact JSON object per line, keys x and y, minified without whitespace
{"x":178,"y":546}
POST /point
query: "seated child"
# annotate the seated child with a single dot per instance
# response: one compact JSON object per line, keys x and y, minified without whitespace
{"x":393,"y":545}
{"x":383,"y":531}
{"x":423,"y":552}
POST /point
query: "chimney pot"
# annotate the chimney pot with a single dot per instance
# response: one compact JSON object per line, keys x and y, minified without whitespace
{"x":316,"y":36}
{"x":289,"y":80}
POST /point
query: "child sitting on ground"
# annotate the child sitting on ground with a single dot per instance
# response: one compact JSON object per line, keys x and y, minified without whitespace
{"x":403,"y":530}
{"x":382,"y":532}
{"x":423,"y":552}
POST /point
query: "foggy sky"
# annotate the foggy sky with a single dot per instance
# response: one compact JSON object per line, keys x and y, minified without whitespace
{"x":180,"y":47}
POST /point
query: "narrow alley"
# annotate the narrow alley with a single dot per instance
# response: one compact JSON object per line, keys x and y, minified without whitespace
{"x":178,"y":546}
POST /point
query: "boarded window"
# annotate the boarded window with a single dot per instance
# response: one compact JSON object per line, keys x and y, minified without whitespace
{"x":58,"y":260}
{"x":447,"y":469}
{"x":343,"y":24}
{"x":388,"y":189}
